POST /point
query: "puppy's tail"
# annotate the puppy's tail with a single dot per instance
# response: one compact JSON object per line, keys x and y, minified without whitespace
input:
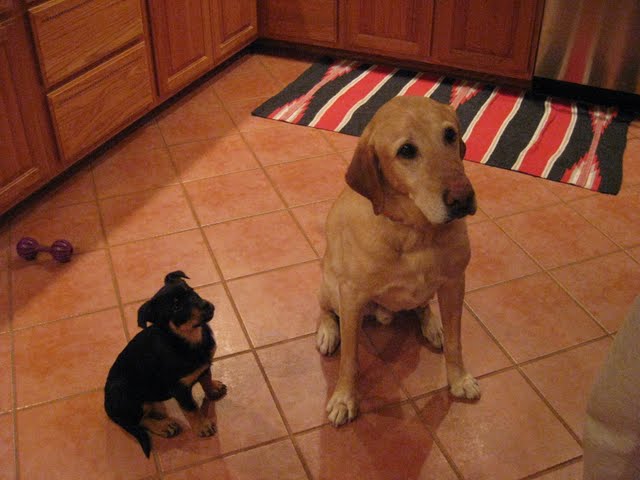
{"x":142,"y":436}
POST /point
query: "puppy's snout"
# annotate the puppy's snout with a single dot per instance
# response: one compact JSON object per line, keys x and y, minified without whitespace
{"x":460,"y":199}
{"x":208,"y":310}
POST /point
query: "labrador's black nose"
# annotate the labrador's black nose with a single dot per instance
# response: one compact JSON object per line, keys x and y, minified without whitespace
{"x":458,"y":207}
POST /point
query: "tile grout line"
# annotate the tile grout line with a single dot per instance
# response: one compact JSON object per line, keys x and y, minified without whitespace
{"x":288,"y":207}
{"x":411,"y":400}
{"x":14,"y":389}
{"x":137,"y":300}
{"x":114,"y":279}
{"x":225,"y":455}
{"x":547,"y":272}
{"x":603,"y":232}
{"x":116,"y":287}
{"x":236,"y":311}
{"x":274,"y":397}
{"x":553,"y":468}
{"x":518,"y":367}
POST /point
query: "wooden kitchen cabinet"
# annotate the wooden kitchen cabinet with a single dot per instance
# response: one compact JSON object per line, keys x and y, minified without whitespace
{"x":27,"y":153}
{"x":96,"y":105}
{"x":71,"y":35}
{"x":191,"y":36}
{"x":311,"y":22}
{"x":6,"y":6}
{"x":182,"y":41}
{"x":490,"y":36}
{"x":401,"y":29}
{"x":235,"y":26}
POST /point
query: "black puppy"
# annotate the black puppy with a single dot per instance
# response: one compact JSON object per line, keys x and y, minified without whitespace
{"x":164,"y":361}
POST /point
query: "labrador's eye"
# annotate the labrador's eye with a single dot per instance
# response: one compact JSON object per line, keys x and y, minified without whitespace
{"x":408,"y":151}
{"x":450,"y":135}
{"x":176,"y":305}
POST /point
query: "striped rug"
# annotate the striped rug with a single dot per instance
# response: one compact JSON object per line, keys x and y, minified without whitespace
{"x":565,"y":141}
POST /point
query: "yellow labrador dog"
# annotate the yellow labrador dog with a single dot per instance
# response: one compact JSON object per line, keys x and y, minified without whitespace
{"x":396,"y":236}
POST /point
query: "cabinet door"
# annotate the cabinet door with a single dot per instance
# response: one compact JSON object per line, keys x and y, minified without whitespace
{"x":401,"y":28}
{"x":312,"y":22}
{"x":6,"y":6}
{"x":182,"y":41}
{"x":22,"y":164}
{"x":235,"y":25}
{"x":492,"y":36}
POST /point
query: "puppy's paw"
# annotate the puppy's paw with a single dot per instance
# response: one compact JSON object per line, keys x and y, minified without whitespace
{"x":216,"y":391}
{"x":327,"y":337}
{"x":166,"y":427}
{"x":342,"y":407}
{"x":466,"y":387}
{"x":206,"y":428}
{"x":431,"y":327}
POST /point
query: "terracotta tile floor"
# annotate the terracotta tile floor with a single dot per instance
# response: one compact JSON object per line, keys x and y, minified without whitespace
{"x":238,"y":203}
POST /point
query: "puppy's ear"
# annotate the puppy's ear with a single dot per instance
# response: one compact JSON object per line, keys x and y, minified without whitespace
{"x":364,"y":174}
{"x":174,"y":277}
{"x":145,"y":315}
{"x":463,"y":149}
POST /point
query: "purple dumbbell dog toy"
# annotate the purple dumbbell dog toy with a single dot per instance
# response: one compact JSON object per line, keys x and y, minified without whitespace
{"x":60,"y":250}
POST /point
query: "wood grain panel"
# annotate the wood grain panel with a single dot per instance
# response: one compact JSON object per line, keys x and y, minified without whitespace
{"x":95,"y":105}
{"x":313,"y":22}
{"x":6,"y":6}
{"x":23,"y":164}
{"x":236,"y":25}
{"x":73,"y":34}
{"x":183,"y":41}
{"x":493,"y":36}
{"x":401,"y":28}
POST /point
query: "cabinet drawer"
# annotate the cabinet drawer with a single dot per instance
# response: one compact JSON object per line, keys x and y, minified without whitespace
{"x":73,"y":34}
{"x":91,"y":107}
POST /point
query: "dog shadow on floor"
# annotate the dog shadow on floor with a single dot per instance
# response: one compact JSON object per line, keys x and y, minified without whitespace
{"x":385,"y":441}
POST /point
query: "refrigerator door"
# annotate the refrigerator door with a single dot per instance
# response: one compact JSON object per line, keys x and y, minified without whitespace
{"x":591,"y":42}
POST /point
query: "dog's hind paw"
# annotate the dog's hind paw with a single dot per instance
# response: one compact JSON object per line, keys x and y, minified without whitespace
{"x":328,"y":336}
{"x":466,"y":387}
{"x":206,"y":429}
{"x":166,"y":427}
{"x":431,"y":327}
{"x":383,"y":316}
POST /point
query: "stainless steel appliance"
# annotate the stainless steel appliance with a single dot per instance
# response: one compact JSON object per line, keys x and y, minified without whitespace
{"x":591,"y":42}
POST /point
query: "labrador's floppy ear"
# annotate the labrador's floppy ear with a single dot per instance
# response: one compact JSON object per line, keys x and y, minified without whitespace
{"x":174,"y":277}
{"x":364,"y":174}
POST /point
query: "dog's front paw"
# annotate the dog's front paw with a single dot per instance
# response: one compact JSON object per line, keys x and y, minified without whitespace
{"x":216,"y":390}
{"x":466,"y":387}
{"x":431,"y":327}
{"x":342,"y":407}
{"x":206,"y":428}
{"x":328,"y":336}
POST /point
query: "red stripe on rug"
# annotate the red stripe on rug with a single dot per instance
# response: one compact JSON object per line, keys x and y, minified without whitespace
{"x":359,"y":89}
{"x":486,"y":128}
{"x":549,"y":141}
{"x":422,"y":86}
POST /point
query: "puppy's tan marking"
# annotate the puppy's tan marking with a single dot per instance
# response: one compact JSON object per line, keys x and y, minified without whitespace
{"x":192,"y":378}
{"x":190,"y":330}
